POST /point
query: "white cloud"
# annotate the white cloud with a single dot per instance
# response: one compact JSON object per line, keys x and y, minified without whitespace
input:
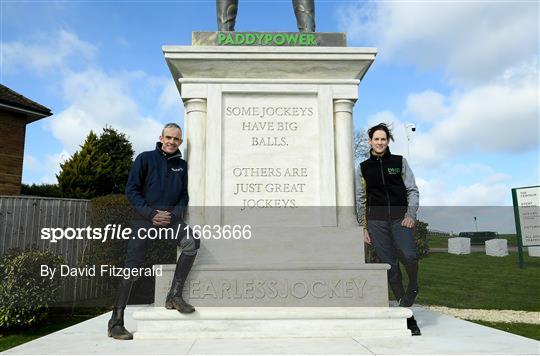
{"x":52,"y":167}
{"x":496,"y":111}
{"x":169,"y":102}
{"x":480,"y":171}
{"x":30,"y":162}
{"x":44,"y":52}
{"x":488,"y":187}
{"x":479,"y":194}
{"x":471,"y":41}
{"x":489,"y":53}
{"x":46,"y":169}
{"x":426,"y":106}
{"x":448,"y":206}
{"x":98,"y":100}
{"x":430,"y":191}
{"x":492,"y":118}
{"x":497,"y":117}
{"x":382,"y":117}
{"x":93,"y":97}
{"x":132,"y":102}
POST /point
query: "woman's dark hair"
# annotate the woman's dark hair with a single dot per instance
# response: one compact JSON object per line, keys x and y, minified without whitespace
{"x":383,"y":127}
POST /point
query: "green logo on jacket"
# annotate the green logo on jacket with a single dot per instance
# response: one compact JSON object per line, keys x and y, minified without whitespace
{"x":394,"y":170}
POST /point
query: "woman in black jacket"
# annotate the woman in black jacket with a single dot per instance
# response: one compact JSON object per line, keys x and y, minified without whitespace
{"x":387,"y":197}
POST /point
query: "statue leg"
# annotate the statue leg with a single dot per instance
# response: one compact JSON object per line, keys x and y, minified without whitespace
{"x":226,"y":14}
{"x":304,"y":10}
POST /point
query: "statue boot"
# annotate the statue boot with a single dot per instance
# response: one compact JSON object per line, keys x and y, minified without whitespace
{"x":304,"y":10}
{"x":412,"y":288}
{"x":226,"y":14}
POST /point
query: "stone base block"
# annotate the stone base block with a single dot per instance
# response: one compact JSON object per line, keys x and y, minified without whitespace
{"x":534,"y":251}
{"x":459,"y":245}
{"x":497,"y":247}
{"x":355,"y":285}
{"x":275,"y":322}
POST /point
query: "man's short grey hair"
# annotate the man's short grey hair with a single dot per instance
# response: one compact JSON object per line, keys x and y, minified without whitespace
{"x":169,"y":125}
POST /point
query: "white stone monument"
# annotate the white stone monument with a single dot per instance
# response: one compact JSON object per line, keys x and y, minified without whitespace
{"x":534,"y":251}
{"x":459,"y":245}
{"x":269,"y":145}
{"x":497,"y":247}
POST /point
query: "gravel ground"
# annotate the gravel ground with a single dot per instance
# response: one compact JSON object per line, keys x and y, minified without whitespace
{"x":504,"y":316}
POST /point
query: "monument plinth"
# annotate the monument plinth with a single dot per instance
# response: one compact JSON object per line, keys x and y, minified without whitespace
{"x":269,"y":145}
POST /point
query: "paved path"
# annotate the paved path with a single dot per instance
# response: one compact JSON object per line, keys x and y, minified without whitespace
{"x":441,"y":334}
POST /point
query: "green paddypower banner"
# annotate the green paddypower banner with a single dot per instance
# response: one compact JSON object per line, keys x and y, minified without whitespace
{"x":280,"y":39}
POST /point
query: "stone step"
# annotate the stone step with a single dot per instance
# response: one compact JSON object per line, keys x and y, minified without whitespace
{"x":275,"y":322}
{"x":280,"y":285}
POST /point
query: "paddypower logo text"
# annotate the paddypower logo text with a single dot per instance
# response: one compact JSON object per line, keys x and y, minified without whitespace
{"x":265,"y":39}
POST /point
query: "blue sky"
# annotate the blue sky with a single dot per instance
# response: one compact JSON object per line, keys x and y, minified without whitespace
{"x":465,"y":73}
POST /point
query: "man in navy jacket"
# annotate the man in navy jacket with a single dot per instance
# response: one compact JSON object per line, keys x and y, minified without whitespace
{"x":157,"y":188}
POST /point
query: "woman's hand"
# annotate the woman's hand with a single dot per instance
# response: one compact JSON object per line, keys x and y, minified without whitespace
{"x":408,"y":222}
{"x":367,"y":238}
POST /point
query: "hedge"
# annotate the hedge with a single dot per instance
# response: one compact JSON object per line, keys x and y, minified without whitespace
{"x":24,"y":295}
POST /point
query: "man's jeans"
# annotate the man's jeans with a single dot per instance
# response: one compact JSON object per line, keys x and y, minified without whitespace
{"x":393,"y":242}
{"x":137,"y":247}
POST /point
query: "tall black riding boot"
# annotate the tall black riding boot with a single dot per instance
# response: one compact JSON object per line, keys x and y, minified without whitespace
{"x":116,"y":328}
{"x":412,"y":289}
{"x":413,"y":326}
{"x":397,"y":289}
{"x":395,"y":281}
{"x":174,"y":297}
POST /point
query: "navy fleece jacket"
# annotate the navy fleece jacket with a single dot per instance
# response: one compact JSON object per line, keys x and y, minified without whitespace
{"x":158,"y":181}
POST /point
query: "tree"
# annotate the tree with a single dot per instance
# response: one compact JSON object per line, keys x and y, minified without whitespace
{"x":101,"y":167}
{"x":86,"y":174}
{"x":41,"y":190}
{"x":120,"y":151}
{"x":361,"y":146}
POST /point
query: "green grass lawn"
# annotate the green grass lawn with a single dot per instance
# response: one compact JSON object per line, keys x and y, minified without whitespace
{"x":532,"y":331}
{"x":57,"y":320}
{"x":479,"y":281}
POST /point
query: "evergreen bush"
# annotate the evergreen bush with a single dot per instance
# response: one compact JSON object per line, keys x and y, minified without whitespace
{"x":24,"y":295}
